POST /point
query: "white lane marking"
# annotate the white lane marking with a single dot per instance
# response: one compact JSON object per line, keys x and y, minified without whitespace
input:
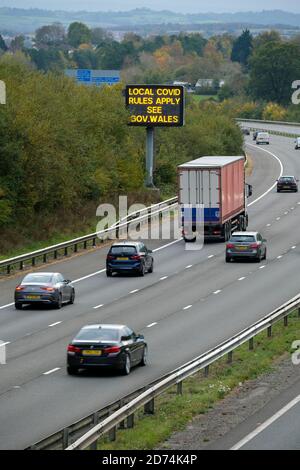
{"x":4,"y":344}
{"x":293,"y":247}
{"x":134,"y":291}
{"x":286,"y":213}
{"x":262,"y":267}
{"x":187,"y":307}
{"x":268,"y":225}
{"x":277,"y":218}
{"x":279,"y":257}
{"x":88,"y":276}
{"x":292,"y":208}
{"x":151,"y":324}
{"x":98,"y":306}
{"x":56,"y":323}
{"x":275,"y":184}
{"x":217,"y":291}
{"x":210,"y":256}
{"x":266,"y":424}
{"x":51,"y":371}
{"x":8,"y":305}
{"x":163,"y":278}
{"x":189,"y":266}
{"x":241,"y":278}
{"x":166,"y":246}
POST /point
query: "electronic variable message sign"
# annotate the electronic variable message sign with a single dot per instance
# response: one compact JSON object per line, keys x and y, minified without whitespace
{"x":155,"y":105}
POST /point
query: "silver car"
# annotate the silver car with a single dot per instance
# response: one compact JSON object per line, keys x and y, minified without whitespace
{"x":250,"y":245}
{"x":44,"y":288}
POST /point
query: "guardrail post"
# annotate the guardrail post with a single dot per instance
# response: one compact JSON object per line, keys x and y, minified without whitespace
{"x":21,"y":265}
{"x":65,"y":438}
{"x":8,"y":272}
{"x":94,"y":242}
{"x":299,"y":312}
{"x":179,"y":388}
{"x":84,"y":245}
{"x":229,"y":357}
{"x":45,"y":258}
{"x":66,"y":251}
{"x":33,"y":262}
{"x":112,"y":434}
{"x":269,"y":331}
{"x":55,"y":254}
{"x":95,"y":422}
{"x":206,"y":371}
{"x":251,"y":344}
{"x":286,"y":320}
{"x":149,"y":407}
{"x":130,"y":421}
{"x":75,"y":248}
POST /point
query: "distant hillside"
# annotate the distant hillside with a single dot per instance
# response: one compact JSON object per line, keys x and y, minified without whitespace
{"x":21,"y":20}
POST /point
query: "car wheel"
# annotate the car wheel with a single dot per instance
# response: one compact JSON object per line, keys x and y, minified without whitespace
{"x":127,"y":365}
{"x":58,"y":304}
{"x":265,"y":255}
{"x":144,"y":360}
{"x":18,"y":306}
{"x":150,"y":270}
{"x":142,"y":270}
{"x":72,"y":370}
{"x":72,"y":298}
{"x":228,"y":259}
{"x":108,"y":273}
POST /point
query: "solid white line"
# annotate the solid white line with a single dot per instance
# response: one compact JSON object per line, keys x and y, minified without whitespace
{"x":275,"y":184}
{"x":266,"y":424}
{"x":4,"y":344}
{"x":166,"y":246}
{"x":163,"y":278}
{"x":134,"y":291}
{"x":241,"y":278}
{"x":51,"y":371}
{"x":56,"y":323}
{"x":187,"y":307}
{"x":217,"y":291}
{"x":98,"y":306}
{"x":88,"y":276}
{"x":151,"y":324}
{"x":8,"y":305}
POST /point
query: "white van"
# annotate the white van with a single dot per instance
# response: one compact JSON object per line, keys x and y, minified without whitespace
{"x":297,"y":142}
{"x":263,"y":138}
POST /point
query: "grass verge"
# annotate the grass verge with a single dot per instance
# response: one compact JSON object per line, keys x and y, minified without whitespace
{"x":174,"y":412}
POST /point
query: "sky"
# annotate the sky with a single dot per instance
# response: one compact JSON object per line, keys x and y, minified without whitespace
{"x":182,"y":6}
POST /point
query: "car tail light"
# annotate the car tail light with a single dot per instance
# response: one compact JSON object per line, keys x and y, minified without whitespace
{"x":110,"y":257}
{"x":254,"y":245}
{"x":18,"y":288}
{"x":230,"y":245}
{"x":48,"y":289}
{"x":135,"y":257}
{"x":113,"y":350}
{"x":73,"y":349}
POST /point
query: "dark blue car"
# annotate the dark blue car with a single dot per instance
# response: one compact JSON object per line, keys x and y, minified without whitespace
{"x":129,"y":257}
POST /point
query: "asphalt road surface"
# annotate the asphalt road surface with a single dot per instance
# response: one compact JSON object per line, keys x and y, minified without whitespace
{"x":191,"y":302}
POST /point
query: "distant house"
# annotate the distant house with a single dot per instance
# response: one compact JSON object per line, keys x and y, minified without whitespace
{"x":186,"y":85}
{"x":209,"y":83}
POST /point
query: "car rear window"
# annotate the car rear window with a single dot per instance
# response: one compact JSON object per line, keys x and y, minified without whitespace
{"x":98,"y":334}
{"x":42,"y":278}
{"x":118,"y":250}
{"x":243,"y":238}
{"x":263,"y":134}
{"x":286,"y":179}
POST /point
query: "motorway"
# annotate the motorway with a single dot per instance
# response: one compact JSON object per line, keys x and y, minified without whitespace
{"x":191,"y":302}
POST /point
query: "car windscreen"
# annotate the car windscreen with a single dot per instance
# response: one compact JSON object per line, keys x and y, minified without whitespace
{"x":98,"y":334}
{"x":243,"y":239}
{"x":38,"y":278}
{"x":286,"y":179}
{"x":120,"y":250}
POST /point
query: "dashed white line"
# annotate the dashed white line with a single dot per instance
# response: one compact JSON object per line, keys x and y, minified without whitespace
{"x":56,"y":323}
{"x":98,"y":306}
{"x":187,"y":307}
{"x":210,"y":256}
{"x":268,"y":225}
{"x":262,"y":267}
{"x":293,"y":247}
{"x":277,"y":218}
{"x":217,"y":291}
{"x":151,"y":324}
{"x":134,"y":291}
{"x":279,"y":257}
{"x":189,"y":266}
{"x":163,"y":278}
{"x":51,"y":371}
{"x":241,"y":278}
{"x":4,"y":344}
{"x":286,"y":213}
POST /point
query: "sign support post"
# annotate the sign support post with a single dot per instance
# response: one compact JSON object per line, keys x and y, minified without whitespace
{"x":149,"y":156}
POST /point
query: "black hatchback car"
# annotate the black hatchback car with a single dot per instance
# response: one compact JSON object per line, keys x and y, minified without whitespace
{"x":129,"y":257}
{"x":287,"y":183}
{"x":44,"y":288}
{"x":115,"y":346}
